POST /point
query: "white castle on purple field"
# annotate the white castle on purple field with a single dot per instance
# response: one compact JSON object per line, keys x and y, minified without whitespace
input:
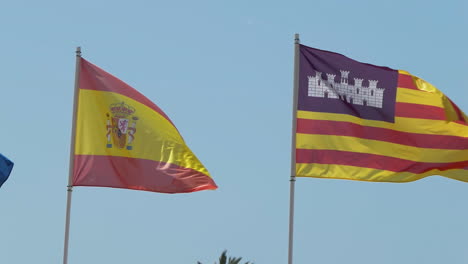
{"x":355,"y":94}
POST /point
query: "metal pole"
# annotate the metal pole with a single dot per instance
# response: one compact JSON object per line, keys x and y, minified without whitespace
{"x":72,"y":153}
{"x":293,"y":148}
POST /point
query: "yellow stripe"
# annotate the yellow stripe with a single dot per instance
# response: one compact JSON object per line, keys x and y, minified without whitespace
{"x":422,"y":84}
{"x":403,"y":124}
{"x":418,"y":97}
{"x":360,"y":145}
{"x":365,"y":174}
{"x":428,"y":94}
{"x":155,"y":138}
{"x":403,"y":72}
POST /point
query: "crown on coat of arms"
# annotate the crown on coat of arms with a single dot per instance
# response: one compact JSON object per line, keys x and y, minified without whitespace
{"x":121,"y":110}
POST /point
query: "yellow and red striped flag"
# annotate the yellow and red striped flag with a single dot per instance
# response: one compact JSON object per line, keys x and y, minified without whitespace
{"x":123,"y":140}
{"x":364,"y":122}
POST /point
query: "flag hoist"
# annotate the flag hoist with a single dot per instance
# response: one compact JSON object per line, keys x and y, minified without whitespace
{"x":358,"y":121}
{"x":121,"y":139}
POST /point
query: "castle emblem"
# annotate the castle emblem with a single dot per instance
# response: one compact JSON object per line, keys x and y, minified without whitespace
{"x":354,"y":94}
{"x":121,"y":126}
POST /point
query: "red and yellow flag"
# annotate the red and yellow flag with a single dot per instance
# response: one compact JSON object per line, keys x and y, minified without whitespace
{"x":364,"y":122}
{"x":123,"y":140}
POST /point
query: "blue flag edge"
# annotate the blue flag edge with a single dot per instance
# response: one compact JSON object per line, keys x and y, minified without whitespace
{"x":6,"y":166}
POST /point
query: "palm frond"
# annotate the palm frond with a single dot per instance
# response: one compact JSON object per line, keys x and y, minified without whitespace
{"x":234,"y":260}
{"x":223,"y":257}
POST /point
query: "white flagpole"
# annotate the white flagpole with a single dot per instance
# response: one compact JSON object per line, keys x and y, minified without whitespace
{"x":72,"y":153}
{"x":293,"y":147}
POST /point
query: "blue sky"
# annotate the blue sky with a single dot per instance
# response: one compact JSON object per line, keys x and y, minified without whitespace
{"x":222,"y":71}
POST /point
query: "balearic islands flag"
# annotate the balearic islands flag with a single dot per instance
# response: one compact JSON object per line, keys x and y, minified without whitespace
{"x":363,"y":122}
{"x":123,"y":140}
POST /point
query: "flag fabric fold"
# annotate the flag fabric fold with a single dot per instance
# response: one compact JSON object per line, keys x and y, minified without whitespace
{"x":123,"y":140}
{"x":6,"y":166}
{"x":364,"y":122}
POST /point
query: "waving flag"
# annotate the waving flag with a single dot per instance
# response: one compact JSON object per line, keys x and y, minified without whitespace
{"x":123,"y":140}
{"x":359,"y":121}
{"x":6,"y":166}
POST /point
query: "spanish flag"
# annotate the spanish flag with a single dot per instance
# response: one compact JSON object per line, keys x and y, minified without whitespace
{"x":359,"y":121}
{"x":123,"y":140}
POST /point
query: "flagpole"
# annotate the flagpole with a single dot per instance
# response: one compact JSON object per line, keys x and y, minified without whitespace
{"x":293,"y":148}
{"x":72,"y":152}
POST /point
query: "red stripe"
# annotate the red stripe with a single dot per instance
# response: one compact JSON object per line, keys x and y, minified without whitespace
{"x":338,"y":128}
{"x":406,"y":81}
{"x":372,"y":161}
{"x":94,"y":78}
{"x":419,"y":111}
{"x":138,"y":174}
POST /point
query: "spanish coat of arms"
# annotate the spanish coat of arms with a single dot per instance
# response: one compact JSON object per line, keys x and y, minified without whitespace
{"x":121,"y":126}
